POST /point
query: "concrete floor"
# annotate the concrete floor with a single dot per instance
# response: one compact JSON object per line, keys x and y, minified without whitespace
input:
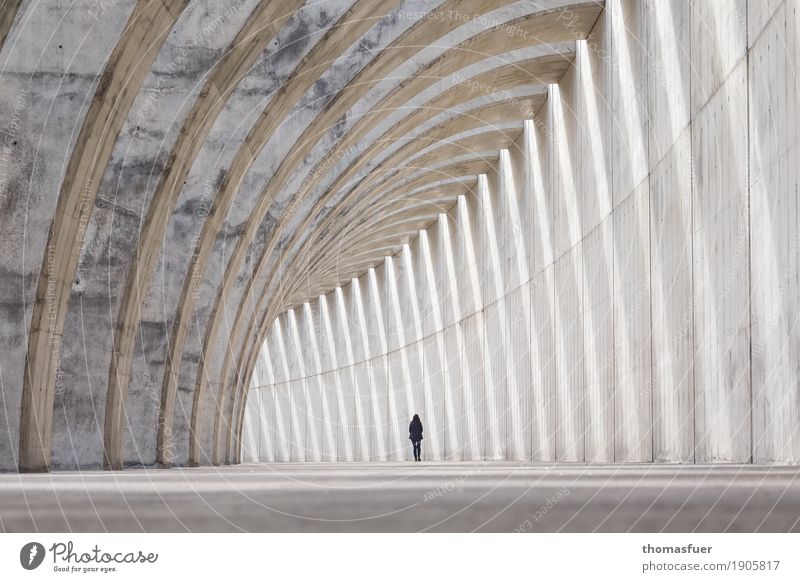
{"x":492,"y":497}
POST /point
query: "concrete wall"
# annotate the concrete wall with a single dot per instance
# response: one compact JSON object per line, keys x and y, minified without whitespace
{"x":151,"y":198}
{"x":632,"y":259}
{"x":35,"y":144}
{"x":623,"y":286}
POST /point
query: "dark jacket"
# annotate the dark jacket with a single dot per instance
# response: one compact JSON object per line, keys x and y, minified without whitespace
{"x":415,"y":430}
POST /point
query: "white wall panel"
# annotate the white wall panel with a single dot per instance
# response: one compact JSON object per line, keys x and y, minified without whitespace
{"x":313,"y":415}
{"x":251,"y":431}
{"x":432,"y":415}
{"x":311,"y":330}
{"x":330,"y":417}
{"x":266,"y":423}
{"x":469,"y":253}
{"x":632,"y":330}
{"x":433,"y":264}
{"x":628,"y":80}
{"x":280,"y":363}
{"x":359,"y":327}
{"x":281,"y":408}
{"x":570,"y":390}
{"x":497,"y":411}
{"x":394,"y":325}
{"x":669,"y":75}
{"x":362,"y":415}
{"x":596,"y":128}
{"x":539,"y":138}
{"x":598,"y":341}
{"x":759,"y":14}
{"x":401,"y":408}
{"x":474,"y":379}
{"x":297,"y":420}
{"x":672,"y":308}
{"x":775,"y":241}
{"x":491,"y":244}
{"x":521,"y":208}
{"x":379,"y":409}
{"x":519,"y":373}
{"x":543,"y":362}
{"x":721,"y":264}
{"x":295,"y":353}
{"x":415,"y":359}
{"x":424,"y":293}
{"x":448,"y":272}
{"x":512,"y":218}
{"x":263,"y":374}
{"x":346,"y":440}
{"x":719,"y":42}
{"x":411,"y":305}
{"x":562,"y":101}
{"x":455,"y":430}
{"x":376,"y":305}
{"x":328,"y":349}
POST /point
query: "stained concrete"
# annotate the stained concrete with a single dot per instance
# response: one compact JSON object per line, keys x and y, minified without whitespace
{"x":485,"y":497}
{"x":636,"y":246}
{"x":183,"y":199}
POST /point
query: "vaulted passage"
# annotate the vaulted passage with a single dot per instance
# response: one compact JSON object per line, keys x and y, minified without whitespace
{"x":619,"y":285}
{"x":557,"y":230}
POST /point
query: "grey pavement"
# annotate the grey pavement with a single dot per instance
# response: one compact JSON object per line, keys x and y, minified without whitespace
{"x":406,"y":497}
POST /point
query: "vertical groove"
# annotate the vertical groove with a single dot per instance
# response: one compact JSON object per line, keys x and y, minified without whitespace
{"x":610,"y":85}
{"x":650,"y":168}
{"x":691,"y":241}
{"x":748,"y":81}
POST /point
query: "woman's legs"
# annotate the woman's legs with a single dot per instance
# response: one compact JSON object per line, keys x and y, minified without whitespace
{"x":417,"y":450}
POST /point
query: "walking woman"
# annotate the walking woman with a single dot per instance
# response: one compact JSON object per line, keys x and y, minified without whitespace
{"x":415,"y":434}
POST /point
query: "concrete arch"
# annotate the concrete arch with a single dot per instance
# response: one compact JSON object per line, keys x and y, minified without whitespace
{"x":489,"y":113}
{"x":353,"y":23}
{"x":147,"y":29}
{"x":374,"y":71}
{"x":537,"y":27}
{"x":564,"y":230}
{"x":129,"y":264}
{"x":260,"y":30}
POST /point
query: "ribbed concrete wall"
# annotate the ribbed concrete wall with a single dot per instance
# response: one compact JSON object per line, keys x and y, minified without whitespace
{"x":624,"y":286}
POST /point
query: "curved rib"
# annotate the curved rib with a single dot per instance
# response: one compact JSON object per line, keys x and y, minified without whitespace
{"x":242,"y":53}
{"x":129,"y":63}
{"x":8,"y":12}
{"x":538,"y":28}
{"x":408,"y":44}
{"x":355,"y":21}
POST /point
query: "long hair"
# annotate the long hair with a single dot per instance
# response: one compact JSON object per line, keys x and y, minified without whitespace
{"x":416,"y":417}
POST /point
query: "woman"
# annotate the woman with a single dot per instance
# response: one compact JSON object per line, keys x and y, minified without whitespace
{"x":415,"y":434}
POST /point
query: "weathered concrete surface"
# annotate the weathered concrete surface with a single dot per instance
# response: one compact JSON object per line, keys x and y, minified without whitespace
{"x":617,"y":282}
{"x":46,"y":91}
{"x":127,"y":189}
{"x":460,"y":497}
{"x":540,"y":31}
{"x":163,"y":237}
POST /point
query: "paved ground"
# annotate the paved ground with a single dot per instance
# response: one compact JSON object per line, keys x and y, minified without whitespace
{"x":499,"y":497}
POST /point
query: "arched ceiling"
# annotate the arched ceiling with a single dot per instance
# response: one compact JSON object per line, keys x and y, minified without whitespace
{"x":222,"y":163}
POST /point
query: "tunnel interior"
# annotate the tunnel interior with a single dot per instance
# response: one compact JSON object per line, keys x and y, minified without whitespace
{"x":558,"y":230}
